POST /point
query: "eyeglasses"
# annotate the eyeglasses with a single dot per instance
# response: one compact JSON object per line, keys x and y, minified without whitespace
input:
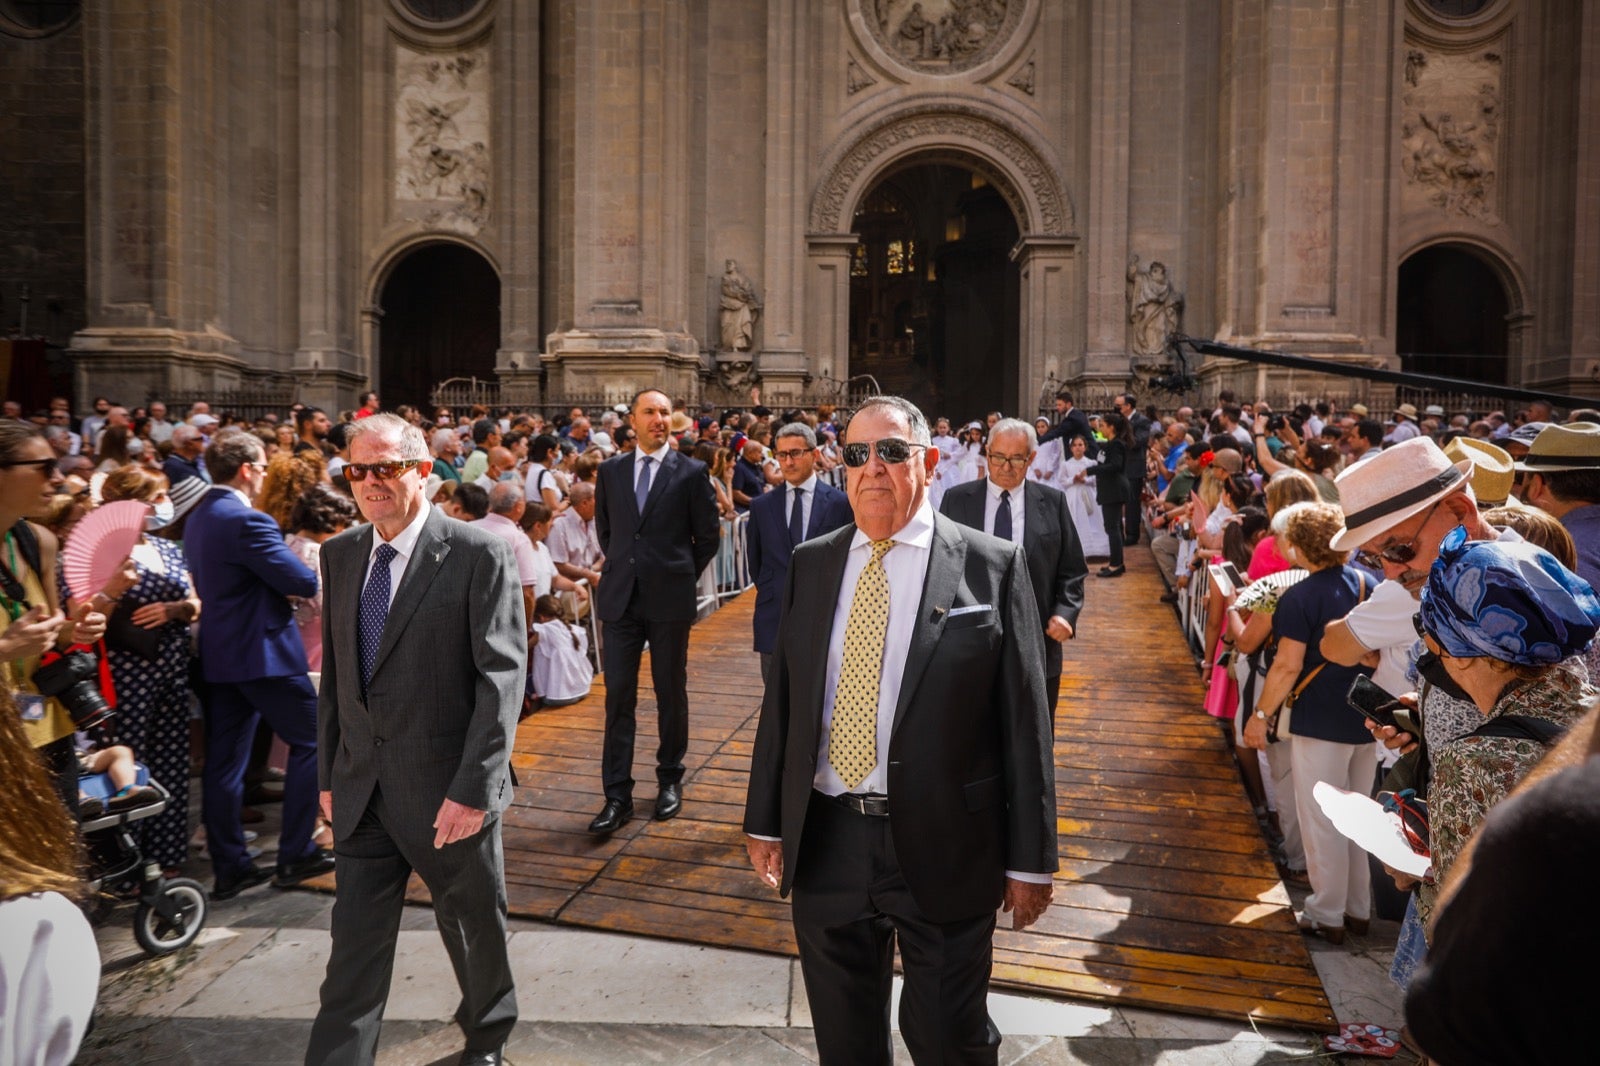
{"x":891,"y":450}
{"x":379,"y":471}
{"x":795,"y":453}
{"x":1013,"y":461}
{"x":43,"y":466}
{"x":1399,"y":554}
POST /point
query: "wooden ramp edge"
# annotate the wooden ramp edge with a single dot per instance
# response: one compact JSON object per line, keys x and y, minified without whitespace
{"x":1167,"y":896}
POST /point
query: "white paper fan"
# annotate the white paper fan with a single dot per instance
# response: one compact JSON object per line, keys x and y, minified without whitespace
{"x":98,"y":545}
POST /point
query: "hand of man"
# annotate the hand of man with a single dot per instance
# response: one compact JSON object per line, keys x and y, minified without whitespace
{"x":767,"y":858}
{"x":31,"y":635}
{"x":455,"y":822}
{"x":1026,"y":901}
{"x":325,"y":802}
{"x":88,"y":624}
{"x":1058,"y":629}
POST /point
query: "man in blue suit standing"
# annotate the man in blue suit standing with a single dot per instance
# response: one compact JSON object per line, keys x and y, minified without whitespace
{"x":255,"y":668}
{"x":780,"y":521}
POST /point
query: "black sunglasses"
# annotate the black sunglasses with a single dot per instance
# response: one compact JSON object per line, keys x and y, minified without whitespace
{"x":42,"y":465}
{"x":1399,"y":554}
{"x":891,"y":450}
{"x":380,"y":471}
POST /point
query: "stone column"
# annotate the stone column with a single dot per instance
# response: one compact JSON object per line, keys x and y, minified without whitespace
{"x":784,"y":360}
{"x":1049,"y":310}
{"x":516,"y":117}
{"x":827,"y":302}
{"x":1105,"y":357}
{"x":1585,"y":365}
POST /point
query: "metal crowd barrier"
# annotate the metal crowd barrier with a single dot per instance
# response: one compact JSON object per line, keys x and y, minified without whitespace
{"x":570,"y":599}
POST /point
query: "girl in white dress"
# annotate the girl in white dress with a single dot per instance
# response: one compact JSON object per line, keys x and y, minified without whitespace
{"x":558,"y":662}
{"x":969,"y":455}
{"x":1080,"y":500}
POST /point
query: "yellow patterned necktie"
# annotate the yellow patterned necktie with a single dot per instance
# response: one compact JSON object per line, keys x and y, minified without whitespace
{"x":853,"y":733}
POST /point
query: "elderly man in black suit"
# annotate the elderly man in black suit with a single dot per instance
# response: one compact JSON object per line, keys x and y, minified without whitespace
{"x":902,"y":781}
{"x":424,"y":651}
{"x":1009,"y":506}
{"x":656,"y":516}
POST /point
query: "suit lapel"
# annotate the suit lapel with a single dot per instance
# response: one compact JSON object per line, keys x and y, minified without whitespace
{"x":669,"y":465}
{"x":432,"y":547}
{"x":1038,"y":510}
{"x":947,"y":557}
{"x":827,"y":585}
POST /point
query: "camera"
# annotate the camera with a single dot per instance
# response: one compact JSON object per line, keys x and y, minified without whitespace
{"x":1277,"y":422}
{"x":73,"y":677}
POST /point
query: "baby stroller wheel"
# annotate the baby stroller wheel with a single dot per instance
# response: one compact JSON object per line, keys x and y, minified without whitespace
{"x":174,"y":920}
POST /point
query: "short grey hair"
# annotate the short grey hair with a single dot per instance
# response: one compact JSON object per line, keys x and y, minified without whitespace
{"x":391,"y":428}
{"x":797,"y":429}
{"x":441,"y":437}
{"x":580,"y":492}
{"x":916,"y":422}
{"x":504,"y":498}
{"x":1015,"y":425}
{"x":184,"y":433}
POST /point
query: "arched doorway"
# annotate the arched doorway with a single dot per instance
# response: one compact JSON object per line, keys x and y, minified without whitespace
{"x":441,"y":319}
{"x":1453,"y":311}
{"x":934,"y":294}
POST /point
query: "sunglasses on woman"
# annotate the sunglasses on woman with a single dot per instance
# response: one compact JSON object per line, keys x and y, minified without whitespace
{"x":379,"y":471}
{"x":43,"y":466}
{"x":891,"y":450}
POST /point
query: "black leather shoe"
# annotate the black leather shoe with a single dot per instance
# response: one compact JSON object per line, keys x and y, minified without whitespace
{"x":470,"y":1057}
{"x":318,"y":862}
{"x":1111,"y":571}
{"x":669,"y":802}
{"x":227,"y":888}
{"x":611,"y":817}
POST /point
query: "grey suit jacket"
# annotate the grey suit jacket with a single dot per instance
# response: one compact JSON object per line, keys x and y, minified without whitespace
{"x":447,"y":687}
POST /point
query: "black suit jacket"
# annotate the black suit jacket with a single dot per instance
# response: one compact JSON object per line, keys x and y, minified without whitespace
{"x":767,"y":548}
{"x":1110,"y":473}
{"x":970,"y":764}
{"x":1049,"y":540}
{"x":1073,"y":424}
{"x":652,"y":560}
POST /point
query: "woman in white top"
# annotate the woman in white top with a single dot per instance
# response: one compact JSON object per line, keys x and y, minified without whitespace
{"x":558,"y":656}
{"x":1086,"y":517}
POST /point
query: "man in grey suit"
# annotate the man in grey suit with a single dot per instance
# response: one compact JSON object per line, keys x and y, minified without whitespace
{"x":424,"y":662}
{"x":1007,"y":505}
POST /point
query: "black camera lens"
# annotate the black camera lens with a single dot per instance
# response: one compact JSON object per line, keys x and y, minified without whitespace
{"x":73,"y":677}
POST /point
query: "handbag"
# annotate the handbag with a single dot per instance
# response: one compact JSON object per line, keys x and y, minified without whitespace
{"x":124,"y":634}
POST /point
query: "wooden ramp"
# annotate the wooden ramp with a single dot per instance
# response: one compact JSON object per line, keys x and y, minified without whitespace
{"x":1167,"y":897}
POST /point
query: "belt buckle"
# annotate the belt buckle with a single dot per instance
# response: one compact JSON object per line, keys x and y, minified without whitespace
{"x":871,"y":806}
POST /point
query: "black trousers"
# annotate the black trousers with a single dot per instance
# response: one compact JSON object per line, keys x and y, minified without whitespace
{"x":1133,"y":511}
{"x":669,"y":673}
{"x":1111,"y":514}
{"x":851,"y":905}
{"x":467,"y":882}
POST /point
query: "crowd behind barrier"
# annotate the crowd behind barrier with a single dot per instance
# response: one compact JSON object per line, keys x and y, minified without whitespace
{"x":1236,"y":484}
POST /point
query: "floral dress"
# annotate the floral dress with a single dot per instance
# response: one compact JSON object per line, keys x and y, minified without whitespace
{"x":153,"y":703}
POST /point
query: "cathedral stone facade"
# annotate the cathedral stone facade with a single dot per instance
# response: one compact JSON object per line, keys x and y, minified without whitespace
{"x":967,"y":200}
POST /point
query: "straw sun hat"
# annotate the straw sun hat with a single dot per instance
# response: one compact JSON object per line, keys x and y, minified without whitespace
{"x":1398,"y":482}
{"x":1575,"y":446}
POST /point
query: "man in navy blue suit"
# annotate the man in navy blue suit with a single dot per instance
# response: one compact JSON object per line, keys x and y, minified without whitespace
{"x":779,"y":521}
{"x":255,"y":667}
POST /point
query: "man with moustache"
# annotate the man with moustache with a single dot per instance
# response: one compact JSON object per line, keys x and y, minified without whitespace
{"x":1008,"y":505}
{"x":656,"y":517}
{"x":424,"y":659}
{"x":902,"y":782}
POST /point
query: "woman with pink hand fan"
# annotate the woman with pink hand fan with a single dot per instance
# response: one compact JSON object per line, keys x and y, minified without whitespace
{"x":151,"y":602}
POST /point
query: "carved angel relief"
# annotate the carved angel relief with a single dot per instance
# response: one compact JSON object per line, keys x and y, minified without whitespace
{"x":442,"y":135}
{"x":1450,"y":132}
{"x":941,"y":36}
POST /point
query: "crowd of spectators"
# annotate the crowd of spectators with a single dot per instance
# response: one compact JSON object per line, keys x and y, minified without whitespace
{"x":1452,"y":558}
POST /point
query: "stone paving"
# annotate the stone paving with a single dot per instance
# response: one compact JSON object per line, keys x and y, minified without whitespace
{"x":246,"y":991}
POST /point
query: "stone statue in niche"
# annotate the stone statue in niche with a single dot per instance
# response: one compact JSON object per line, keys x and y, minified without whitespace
{"x":740,"y":306}
{"x":1154,"y":307}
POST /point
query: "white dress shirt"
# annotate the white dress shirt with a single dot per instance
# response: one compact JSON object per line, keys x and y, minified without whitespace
{"x":659,"y":455}
{"x":808,"y":497}
{"x":991,"y":507}
{"x":404,"y":543}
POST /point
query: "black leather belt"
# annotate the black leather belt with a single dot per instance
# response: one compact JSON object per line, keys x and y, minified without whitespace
{"x":876,"y":806}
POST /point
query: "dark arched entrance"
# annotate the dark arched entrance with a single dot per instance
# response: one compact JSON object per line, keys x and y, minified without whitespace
{"x":1452,"y":316}
{"x":934,"y":295}
{"x":441,"y":319}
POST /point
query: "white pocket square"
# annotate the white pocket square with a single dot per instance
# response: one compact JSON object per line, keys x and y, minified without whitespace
{"x":957,"y":612}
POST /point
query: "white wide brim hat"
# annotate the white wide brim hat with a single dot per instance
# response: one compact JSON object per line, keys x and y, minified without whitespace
{"x":1389,"y":488}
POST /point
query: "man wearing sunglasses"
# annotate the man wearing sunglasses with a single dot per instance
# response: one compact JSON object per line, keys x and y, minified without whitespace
{"x":424,"y":658}
{"x":902,"y":781}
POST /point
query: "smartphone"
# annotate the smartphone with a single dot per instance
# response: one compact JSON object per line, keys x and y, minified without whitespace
{"x":1233,"y":575}
{"x":1219,"y":578}
{"x":1373,"y":701}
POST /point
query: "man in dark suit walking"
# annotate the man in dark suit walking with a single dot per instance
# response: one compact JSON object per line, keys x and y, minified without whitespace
{"x":254,"y":665}
{"x":1134,"y":472}
{"x":902,"y":781}
{"x":424,"y":654}
{"x":805,"y":507}
{"x":1009,"y":506}
{"x":1071,"y":422}
{"x":656,"y":516}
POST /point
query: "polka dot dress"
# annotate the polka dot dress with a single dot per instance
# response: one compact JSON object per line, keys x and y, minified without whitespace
{"x":853,"y":733}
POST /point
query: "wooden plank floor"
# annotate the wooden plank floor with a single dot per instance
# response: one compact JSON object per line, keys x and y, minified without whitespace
{"x":1167,"y":897}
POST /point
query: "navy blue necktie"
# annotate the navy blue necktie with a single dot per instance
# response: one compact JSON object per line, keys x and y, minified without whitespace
{"x":1002,"y":517}
{"x":641,"y":491}
{"x":374,"y":612}
{"x":797,"y":517}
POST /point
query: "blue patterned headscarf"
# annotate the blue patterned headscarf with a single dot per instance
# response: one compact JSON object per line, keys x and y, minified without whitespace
{"x":1507,"y":600}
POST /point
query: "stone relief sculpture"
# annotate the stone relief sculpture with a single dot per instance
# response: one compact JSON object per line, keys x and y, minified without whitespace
{"x":1450,"y":131}
{"x":442,"y":135}
{"x":740,"y":306}
{"x":941,"y":35}
{"x":1154,"y":307}
{"x":855,"y":78}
